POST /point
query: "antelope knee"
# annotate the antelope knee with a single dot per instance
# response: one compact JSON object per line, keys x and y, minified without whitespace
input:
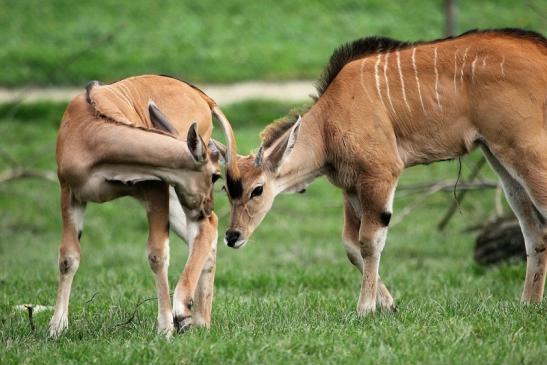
{"x":371,"y":241}
{"x":157,"y":260}
{"x":68,"y":264}
{"x":209,"y":266}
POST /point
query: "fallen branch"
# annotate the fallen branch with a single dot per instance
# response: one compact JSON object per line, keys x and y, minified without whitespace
{"x":132,"y":316}
{"x":91,"y":299}
{"x":15,"y":173}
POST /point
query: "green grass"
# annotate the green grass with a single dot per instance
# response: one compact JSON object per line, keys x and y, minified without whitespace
{"x":288,"y":297}
{"x":66,"y":42}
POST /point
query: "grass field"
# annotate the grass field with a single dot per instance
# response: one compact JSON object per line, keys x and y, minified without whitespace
{"x":65,"y":42}
{"x":288,"y":297}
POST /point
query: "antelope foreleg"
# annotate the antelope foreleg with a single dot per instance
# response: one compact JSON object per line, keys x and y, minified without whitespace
{"x":351,"y":244}
{"x":376,"y":204}
{"x":200,"y":237}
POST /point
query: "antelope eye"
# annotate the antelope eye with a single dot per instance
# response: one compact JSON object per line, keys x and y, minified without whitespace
{"x":257,"y":191}
{"x":215,"y":177}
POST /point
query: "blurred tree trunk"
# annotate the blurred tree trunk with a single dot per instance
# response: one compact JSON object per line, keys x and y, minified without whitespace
{"x":450,"y":15}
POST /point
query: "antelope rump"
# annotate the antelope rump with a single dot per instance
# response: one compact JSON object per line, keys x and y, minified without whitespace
{"x":384,"y":105}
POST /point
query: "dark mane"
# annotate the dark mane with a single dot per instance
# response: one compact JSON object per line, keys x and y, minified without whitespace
{"x":371,"y":45}
{"x":351,"y":51}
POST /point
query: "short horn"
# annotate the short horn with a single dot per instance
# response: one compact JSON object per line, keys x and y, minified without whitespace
{"x":231,"y":148}
{"x":259,"y":156}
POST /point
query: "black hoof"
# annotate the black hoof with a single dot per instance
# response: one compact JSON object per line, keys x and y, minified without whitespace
{"x":182,"y":323}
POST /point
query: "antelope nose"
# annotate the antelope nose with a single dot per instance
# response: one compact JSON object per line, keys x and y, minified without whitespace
{"x":232,"y":236}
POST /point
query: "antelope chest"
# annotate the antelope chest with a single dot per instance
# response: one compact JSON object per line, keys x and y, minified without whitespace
{"x":343,"y":175}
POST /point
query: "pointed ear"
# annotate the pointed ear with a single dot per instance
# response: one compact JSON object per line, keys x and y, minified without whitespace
{"x":159,"y":120}
{"x":218,"y":150}
{"x":281,"y":151}
{"x":292,"y":138}
{"x":196,"y":144}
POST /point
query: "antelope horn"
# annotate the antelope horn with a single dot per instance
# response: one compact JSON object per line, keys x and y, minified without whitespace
{"x":259,"y":156}
{"x":231,"y":148}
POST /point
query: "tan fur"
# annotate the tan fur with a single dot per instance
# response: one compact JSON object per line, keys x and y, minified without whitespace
{"x":414,"y":105}
{"x":107,"y":148}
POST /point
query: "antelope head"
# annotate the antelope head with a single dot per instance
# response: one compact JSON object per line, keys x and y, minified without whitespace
{"x":195,"y":191}
{"x":262,"y":177}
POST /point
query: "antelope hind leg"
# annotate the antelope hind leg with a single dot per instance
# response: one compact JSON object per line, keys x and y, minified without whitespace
{"x":69,"y":258}
{"x":155,"y":197}
{"x":532,"y":222}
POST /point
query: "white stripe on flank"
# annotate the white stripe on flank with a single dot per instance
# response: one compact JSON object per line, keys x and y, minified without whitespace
{"x":437,"y":80}
{"x":473,"y":69}
{"x":416,"y":76}
{"x":402,"y":80}
{"x":386,"y":60}
{"x":455,"y":70}
{"x":484,"y":61}
{"x":377,"y":78}
{"x":501,"y":66}
{"x":463,"y":64}
{"x":363,"y":78}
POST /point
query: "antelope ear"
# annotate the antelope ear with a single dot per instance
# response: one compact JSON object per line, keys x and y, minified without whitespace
{"x":159,"y":120}
{"x":218,"y":149}
{"x":281,"y":152}
{"x":292,"y":138}
{"x":196,"y":144}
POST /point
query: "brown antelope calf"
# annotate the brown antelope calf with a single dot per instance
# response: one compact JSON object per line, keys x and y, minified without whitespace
{"x":114,"y":141}
{"x":385,"y":105}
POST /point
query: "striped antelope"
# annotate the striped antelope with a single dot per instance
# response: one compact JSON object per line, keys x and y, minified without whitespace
{"x":385,"y":105}
{"x":114,"y":141}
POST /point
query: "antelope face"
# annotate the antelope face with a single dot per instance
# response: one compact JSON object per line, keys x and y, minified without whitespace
{"x":194,"y":186}
{"x":251,"y":197}
{"x":196,"y":193}
{"x":259,"y":181}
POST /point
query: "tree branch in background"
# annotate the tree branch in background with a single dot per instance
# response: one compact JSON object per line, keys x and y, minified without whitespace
{"x":450,"y":14}
{"x":459,"y":197}
{"x":16,"y":171}
{"x":428,"y":189}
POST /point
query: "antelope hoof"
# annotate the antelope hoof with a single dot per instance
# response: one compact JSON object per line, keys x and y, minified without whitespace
{"x":57,"y":326}
{"x":182,"y":323}
{"x":366,"y":309}
{"x":387,"y":304}
{"x":166,"y":330}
